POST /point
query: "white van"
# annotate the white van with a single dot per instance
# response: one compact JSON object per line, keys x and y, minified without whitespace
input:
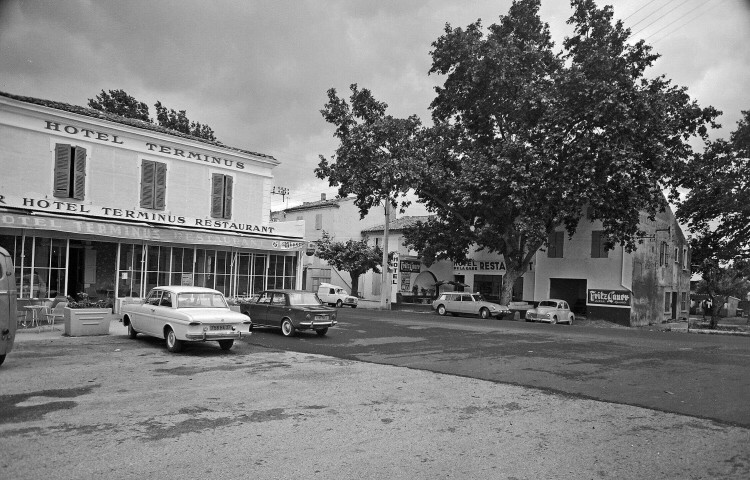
{"x":335,"y":295}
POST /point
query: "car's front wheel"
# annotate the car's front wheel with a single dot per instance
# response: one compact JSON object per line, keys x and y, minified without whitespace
{"x":321,"y":331}
{"x":339,"y":304}
{"x":173,"y":344}
{"x":287,"y":328}
{"x":553,"y":320}
{"x":441,"y":310}
{"x":131,"y":331}
{"x":226,"y":344}
{"x":484,"y":313}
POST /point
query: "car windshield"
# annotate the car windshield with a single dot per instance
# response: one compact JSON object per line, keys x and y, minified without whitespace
{"x":201,"y":300}
{"x":547,"y":303}
{"x":477,"y":298}
{"x":303,"y":298}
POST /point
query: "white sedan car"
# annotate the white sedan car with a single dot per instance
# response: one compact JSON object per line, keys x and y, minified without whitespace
{"x":186,"y":314}
{"x":552,"y":311}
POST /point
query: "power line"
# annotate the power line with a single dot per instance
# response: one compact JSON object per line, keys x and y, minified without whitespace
{"x":659,"y":18}
{"x":649,"y":3}
{"x":652,"y":13}
{"x":684,"y":24}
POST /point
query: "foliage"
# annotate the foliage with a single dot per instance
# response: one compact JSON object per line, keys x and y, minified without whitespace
{"x":353,"y":256}
{"x":717,"y":211}
{"x":120,"y":103}
{"x":374,"y":153}
{"x":178,"y":121}
{"x":526,"y":140}
{"x":85,"y":302}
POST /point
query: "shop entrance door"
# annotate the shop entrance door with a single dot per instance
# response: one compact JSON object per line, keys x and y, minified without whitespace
{"x":76,"y":268}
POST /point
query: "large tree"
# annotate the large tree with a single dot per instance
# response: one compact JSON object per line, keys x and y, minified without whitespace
{"x":120,"y":103}
{"x":716,"y":209}
{"x":353,"y":256}
{"x":527,"y":140}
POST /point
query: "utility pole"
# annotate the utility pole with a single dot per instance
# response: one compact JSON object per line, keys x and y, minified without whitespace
{"x":385,"y":286}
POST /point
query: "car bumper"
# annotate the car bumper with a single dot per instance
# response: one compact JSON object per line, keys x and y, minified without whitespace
{"x":306,"y":325}
{"x":209,"y":336}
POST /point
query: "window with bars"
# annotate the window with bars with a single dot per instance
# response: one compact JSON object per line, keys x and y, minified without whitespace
{"x":153,"y":185}
{"x":70,"y":172}
{"x":221,"y":196}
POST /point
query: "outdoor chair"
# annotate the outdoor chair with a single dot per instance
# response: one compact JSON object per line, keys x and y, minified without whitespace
{"x":57,"y":312}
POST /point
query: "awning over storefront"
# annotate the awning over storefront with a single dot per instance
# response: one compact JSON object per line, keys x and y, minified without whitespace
{"x":145,"y":232}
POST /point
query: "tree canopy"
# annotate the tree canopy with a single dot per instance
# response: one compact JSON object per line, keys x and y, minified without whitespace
{"x":120,"y":103}
{"x":372,"y":161}
{"x":716,"y":209}
{"x":353,"y":256}
{"x":527,"y":140}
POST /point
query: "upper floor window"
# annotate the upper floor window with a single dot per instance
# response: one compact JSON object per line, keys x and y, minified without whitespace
{"x":319,"y":221}
{"x":153,"y":184}
{"x":555,"y":247}
{"x":685,"y":262}
{"x":70,"y":171}
{"x":598,"y":244}
{"x":221,"y":196}
{"x":663,"y":254}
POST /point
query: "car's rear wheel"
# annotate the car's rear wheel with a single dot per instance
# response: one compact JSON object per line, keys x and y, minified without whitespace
{"x":2,"y":359}
{"x":484,"y":313}
{"x":354,"y":306}
{"x":131,"y":331}
{"x":441,"y":310}
{"x":570,"y":320}
{"x":287,"y":328}
{"x":321,"y":331}
{"x":339,"y":303}
{"x":173,"y":344}
{"x":226,"y":344}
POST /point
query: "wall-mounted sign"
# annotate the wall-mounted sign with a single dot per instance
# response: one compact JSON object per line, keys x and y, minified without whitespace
{"x":187,"y":279}
{"x":410,"y":266}
{"x":610,"y":298}
{"x":488,"y":267}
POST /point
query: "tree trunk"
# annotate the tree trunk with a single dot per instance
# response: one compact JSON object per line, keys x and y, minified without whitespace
{"x":511,"y":275}
{"x":355,"y":284}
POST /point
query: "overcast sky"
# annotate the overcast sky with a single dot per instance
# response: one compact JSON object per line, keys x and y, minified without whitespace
{"x":257,"y":71}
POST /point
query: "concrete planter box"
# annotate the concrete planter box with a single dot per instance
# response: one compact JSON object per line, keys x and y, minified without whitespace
{"x":87,"y":321}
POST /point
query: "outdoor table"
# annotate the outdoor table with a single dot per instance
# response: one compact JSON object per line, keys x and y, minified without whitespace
{"x":35,"y":309}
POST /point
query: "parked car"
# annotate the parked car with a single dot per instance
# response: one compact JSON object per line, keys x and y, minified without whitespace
{"x":551,"y":310}
{"x":290,"y":310}
{"x":186,"y":314}
{"x":335,"y":295}
{"x":457,"y":303}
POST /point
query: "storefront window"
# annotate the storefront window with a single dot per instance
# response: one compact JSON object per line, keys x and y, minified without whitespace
{"x":259,"y":273}
{"x":182,"y":266}
{"x":129,"y":273}
{"x":282,"y":271}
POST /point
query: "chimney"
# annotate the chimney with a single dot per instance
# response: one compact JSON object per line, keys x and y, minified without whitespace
{"x":322,"y":196}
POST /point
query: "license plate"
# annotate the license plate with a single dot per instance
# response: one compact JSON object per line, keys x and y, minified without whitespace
{"x":219,"y":327}
{"x":321,"y":317}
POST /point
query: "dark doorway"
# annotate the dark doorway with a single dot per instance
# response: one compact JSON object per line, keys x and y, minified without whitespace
{"x":572,"y":290}
{"x":76,"y":268}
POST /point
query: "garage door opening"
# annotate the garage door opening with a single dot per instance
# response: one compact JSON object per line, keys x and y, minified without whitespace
{"x":572,"y":290}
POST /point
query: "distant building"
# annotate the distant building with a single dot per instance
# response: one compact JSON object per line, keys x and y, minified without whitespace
{"x":96,"y":203}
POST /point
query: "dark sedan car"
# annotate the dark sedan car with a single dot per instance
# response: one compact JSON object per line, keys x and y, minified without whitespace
{"x":290,"y":310}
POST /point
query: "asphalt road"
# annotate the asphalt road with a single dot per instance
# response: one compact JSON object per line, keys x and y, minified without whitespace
{"x":706,"y":376}
{"x":111,"y":407}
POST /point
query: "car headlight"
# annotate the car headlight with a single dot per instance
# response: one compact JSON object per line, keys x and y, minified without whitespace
{"x":546,"y":315}
{"x":307,"y":317}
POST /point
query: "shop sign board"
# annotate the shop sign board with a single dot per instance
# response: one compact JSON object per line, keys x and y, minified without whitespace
{"x":478,"y":266}
{"x":187,"y":279}
{"x":410,"y":266}
{"x":610,"y":298}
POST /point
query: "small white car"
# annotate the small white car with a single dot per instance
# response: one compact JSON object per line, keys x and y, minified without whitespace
{"x":186,"y":314}
{"x":457,"y":303}
{"x":551,"y":310}
{"x":336,"y":296}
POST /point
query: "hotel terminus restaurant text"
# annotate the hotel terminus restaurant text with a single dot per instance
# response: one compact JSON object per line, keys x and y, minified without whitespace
{"x":109,"y":206}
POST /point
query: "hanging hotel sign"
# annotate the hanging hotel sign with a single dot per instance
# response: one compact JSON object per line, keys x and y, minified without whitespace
{"x":610,"y":298}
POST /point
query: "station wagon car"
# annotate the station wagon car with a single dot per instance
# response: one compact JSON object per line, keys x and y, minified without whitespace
{"x":463,"y":303}
{"x":185,"y":314}
{"x":290,"y":310}
{"x":551,"y":310}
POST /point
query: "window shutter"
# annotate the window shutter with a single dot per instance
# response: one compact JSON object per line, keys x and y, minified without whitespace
{"x":147,"y":184}
{"x":551,"y":246}
{"x":228,"y":189}
{"x":217,"y":195}
{"x":596,"y":238}
{"x":319,"y":221}
{"x":160,"y":186}
{"x":62,"y":170}
{"x":79,"y":173}
{"x":559,"y":244}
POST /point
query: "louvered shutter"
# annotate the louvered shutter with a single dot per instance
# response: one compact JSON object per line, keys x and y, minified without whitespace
{"x":62,"y":170}
{"x":559,"y":244}
{"x":160,"y":186}
{"x":595,"y":243}
{"x":217,"y":195}
{"x":551,"y":246}
{"x":228,"y":188}
{"x":147,"y":184}
{"x":79,"y":173}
